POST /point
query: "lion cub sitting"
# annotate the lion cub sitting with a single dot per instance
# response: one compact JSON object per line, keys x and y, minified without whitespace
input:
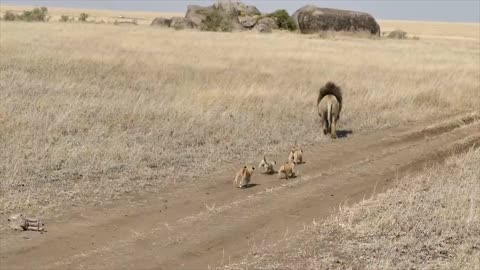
{"x":296,"y":156}
{"x":287,"y":169}
{"x":267,"y":166}
{"x":244,"y":176}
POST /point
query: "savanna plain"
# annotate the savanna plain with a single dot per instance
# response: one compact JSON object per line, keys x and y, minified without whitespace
{"x":91,"y":113}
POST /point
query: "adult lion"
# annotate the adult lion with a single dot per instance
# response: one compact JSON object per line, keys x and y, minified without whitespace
{"x":329,"y":105}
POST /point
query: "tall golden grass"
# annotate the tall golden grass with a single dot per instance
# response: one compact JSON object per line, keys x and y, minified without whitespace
{"x":89,"y":112}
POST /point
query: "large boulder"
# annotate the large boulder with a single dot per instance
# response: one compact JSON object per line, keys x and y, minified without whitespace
{"x":162,"y":22}
{"x":312,"y":19}
{"x":180,"y":23}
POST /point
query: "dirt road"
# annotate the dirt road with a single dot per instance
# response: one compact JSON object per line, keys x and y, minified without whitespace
{"x":211,"y":223}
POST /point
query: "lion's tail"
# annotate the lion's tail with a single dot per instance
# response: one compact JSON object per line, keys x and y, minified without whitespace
{"x":329,"y":114}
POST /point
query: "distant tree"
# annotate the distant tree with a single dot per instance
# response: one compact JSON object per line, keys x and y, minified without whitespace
{"x":83,"y":17}
{"x":37,"y":15}
{"x":9,"y":16}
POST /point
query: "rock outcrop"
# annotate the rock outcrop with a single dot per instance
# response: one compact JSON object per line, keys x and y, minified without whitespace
{"x":225,"y":17}
{"x":222,"y":16}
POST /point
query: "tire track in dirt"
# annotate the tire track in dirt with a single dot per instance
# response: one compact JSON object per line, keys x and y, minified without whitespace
{"x":210,"y":222}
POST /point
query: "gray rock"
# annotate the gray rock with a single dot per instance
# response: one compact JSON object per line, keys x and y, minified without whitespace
{"x":312,"y":19}
{"x":162,"y":22}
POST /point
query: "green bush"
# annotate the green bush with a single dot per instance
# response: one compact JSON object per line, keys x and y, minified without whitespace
{"x":83,"y":17}
{"x":35,"y":15}
{"x":216,"y":21}
{"x":64,"y":18}
{"x":283,"y":20}
{"x":9,"y":16}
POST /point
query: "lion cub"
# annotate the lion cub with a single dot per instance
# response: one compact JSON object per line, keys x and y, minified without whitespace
{"x":244,"y":176}
{"x":287,"y":169}
{"x":267,"y":165}
{"x":296,"y":156}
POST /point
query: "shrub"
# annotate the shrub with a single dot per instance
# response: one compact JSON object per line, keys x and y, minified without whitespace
{"x":35,"y":15}
{"x":216,"y":21}
{"x":64,"y":18}
{"x":9,"y":16}
{"x":283,"y":20}
{"x":83,"y":17}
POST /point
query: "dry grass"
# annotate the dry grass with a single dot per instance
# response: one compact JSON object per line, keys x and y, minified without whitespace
{"x":90,"y":112}
{"x":429,"y":221}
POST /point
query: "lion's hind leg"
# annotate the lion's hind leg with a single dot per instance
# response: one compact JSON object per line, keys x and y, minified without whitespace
{"x":235,"y":181}
{"x":335,"y":116}
{"x":324,"y":123}
{"x":333,"y":132}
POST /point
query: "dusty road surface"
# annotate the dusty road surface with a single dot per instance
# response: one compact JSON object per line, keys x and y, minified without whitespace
{"x":211,"y":223}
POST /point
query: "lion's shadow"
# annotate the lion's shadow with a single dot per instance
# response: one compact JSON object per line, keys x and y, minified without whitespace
{"x":344,"y":133}
{"x":249,"y":186}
